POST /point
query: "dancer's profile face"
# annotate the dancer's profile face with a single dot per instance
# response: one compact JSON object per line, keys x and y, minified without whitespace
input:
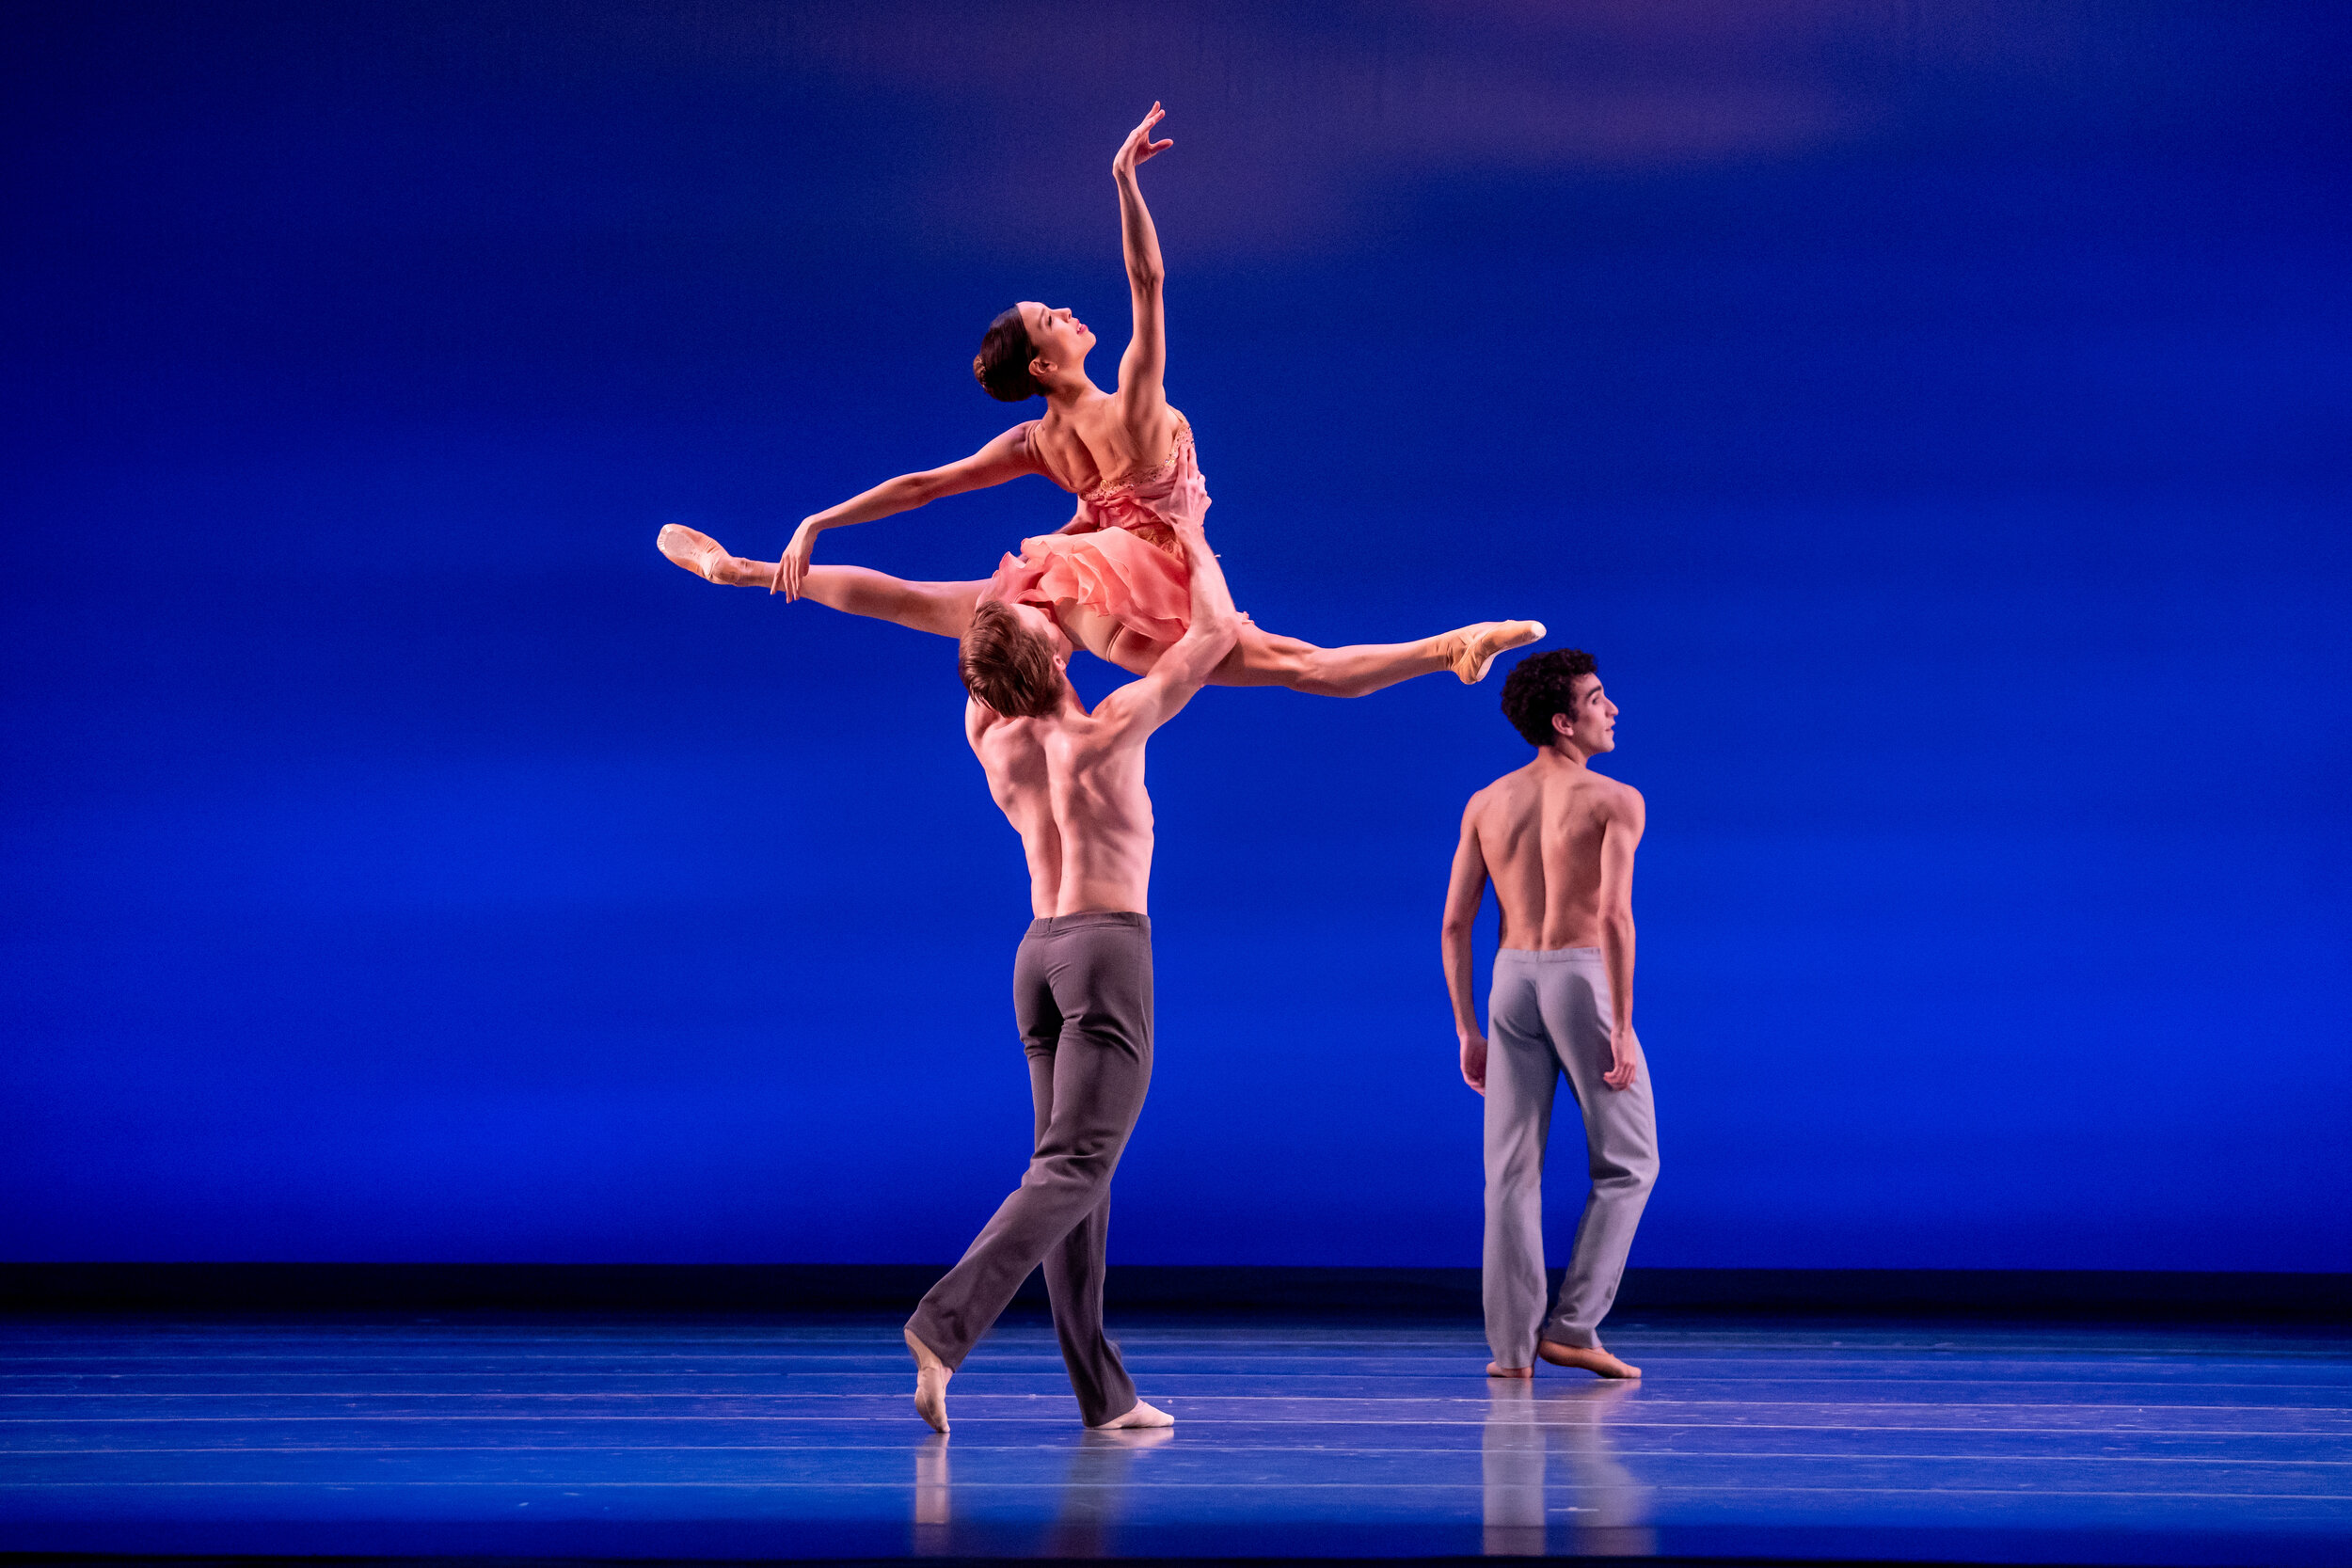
{"x":1594,"y":719}
{"x":1056,"y":334}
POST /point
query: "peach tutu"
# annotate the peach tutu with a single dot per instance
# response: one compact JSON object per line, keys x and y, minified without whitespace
{"x":1119,"y":554}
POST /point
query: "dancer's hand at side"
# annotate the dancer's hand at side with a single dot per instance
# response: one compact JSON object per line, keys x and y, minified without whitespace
{"x":1466,"y":889}
{"x":792,"y":571}
{"x":1621,"y":1058}
{"x":1138,"y":146}
{"x":1474,"y":1060}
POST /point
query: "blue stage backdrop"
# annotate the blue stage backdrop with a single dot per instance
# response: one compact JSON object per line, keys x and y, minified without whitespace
{"x":1934,"y":416}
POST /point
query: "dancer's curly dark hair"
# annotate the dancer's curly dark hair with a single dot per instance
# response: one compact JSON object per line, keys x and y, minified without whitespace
{"x":1002,"y":366}
{"x":1540,"y":685}
{"x":1005,"y":665}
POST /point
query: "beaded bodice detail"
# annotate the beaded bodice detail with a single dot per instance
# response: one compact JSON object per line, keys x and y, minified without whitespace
{"x":1150,"y":501}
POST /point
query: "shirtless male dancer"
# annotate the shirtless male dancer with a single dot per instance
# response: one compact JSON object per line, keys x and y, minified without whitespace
{"x":1557,"y":839}
{"x":1071,"y":782}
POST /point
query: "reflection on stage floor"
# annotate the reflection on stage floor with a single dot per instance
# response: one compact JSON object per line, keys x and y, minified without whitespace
{"x":794,"y":1437}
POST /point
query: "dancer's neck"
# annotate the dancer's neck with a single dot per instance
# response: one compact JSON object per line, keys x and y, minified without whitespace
{"x":1062,"y":397}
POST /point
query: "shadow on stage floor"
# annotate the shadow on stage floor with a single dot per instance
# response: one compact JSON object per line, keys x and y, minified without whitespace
{"x":598,"y":1436}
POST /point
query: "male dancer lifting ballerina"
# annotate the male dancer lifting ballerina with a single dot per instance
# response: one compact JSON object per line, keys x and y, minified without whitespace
{"x":1071,"y":782}
{"x":1557,"y":839}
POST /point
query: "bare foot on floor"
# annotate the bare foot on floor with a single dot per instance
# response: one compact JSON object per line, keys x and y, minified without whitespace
{"x":1594,"y":1361}
{"x":1479,"y":645}
{"x":698,"y":553}
{"x":930,"y":1383}
{"x":1141,"y":1415}
{"x":1495,"y":1368}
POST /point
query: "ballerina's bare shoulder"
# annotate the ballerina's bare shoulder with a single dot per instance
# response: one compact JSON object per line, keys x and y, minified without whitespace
{"x":1087,"y":454}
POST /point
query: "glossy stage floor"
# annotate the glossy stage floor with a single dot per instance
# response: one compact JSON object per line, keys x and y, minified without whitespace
{"x":792,"y":1437}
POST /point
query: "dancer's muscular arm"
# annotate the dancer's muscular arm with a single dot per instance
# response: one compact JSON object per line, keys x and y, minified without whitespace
{"x":1146,"y":702}
{"x":1007,"y":457}
{"x":1619,"y":838}
{"x":1140,"y":370}
{"x":1464,"y":893}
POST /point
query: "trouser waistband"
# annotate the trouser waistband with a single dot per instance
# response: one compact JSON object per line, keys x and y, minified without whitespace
{"x":1052,"y":925}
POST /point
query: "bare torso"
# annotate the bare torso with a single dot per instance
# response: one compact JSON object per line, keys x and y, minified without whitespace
{"x":1540,"y":831}
{"x":1076,"y":796}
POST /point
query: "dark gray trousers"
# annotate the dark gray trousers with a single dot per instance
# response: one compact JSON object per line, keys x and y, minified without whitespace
{"x":1082,"y":992}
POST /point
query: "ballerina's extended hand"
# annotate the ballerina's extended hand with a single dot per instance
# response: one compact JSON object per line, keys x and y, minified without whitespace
{"x":1139,"y":145}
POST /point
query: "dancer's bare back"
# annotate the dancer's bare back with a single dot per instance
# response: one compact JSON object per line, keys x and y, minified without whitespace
{"x":1072,"y":785}
{"x":1071,"y":782}
{"x":1543,"y":835}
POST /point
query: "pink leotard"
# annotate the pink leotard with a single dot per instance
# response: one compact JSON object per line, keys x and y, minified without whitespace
{"x":1119,"y":554}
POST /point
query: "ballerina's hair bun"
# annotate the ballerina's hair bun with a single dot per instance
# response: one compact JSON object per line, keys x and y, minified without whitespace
{"x":1002,"y":366}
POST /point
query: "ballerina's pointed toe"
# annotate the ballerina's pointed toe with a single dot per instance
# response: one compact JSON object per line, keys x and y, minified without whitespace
{"x":1484,"y":642}
{"x":698,"y":553}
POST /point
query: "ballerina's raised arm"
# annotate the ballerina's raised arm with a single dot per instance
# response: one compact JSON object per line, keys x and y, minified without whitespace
{"x":1143,"y":399}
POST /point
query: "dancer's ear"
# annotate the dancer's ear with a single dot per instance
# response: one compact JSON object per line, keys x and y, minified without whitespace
{"x":1040,"y":369}
{"x":1564,"y":725}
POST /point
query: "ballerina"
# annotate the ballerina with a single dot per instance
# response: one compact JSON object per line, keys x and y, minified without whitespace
{"x":1115,"y":576}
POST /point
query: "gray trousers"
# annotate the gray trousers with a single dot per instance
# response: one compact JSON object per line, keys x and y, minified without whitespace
{"x":1548,"y":1014}
{"x":1082,"y":992}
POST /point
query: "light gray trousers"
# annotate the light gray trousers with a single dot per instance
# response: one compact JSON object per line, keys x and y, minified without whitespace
{"x":1548,"y":1014}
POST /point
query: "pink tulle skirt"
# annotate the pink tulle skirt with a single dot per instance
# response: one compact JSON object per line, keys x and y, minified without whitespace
{"x":1112,"y":571}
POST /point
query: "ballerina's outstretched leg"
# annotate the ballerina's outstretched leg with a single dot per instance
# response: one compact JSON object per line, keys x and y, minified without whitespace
{"x":1263,"y":658}
{"x":943,"y":609}
{"x":1267,"y":658}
